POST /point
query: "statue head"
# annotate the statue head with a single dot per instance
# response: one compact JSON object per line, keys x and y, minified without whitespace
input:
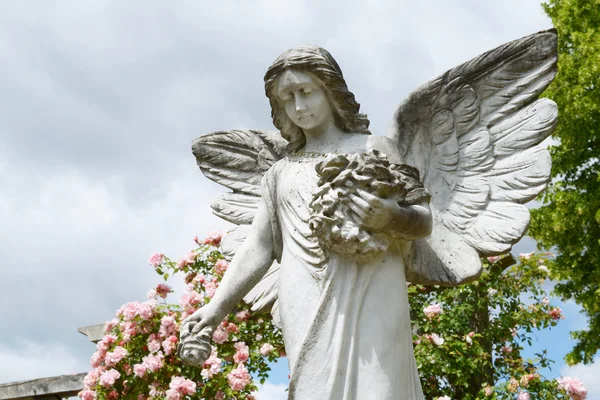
{"x":315,"y":62}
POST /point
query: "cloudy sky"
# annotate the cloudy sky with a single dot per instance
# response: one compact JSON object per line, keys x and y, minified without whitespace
{"x":101,"y":100}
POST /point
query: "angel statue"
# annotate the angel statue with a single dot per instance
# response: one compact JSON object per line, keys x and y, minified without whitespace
{"x":333,"y":221}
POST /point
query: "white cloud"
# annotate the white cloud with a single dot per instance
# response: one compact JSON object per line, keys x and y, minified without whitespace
{"x":27,"y":360}
{"x":76,"y":251}
{"x":588,"y":374}
{"x":270,"y":391}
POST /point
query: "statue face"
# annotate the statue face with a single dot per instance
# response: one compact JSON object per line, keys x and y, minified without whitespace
{"x":304,"y":99}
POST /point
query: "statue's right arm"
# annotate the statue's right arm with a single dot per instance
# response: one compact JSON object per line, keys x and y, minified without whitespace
{"x":249,"y":265}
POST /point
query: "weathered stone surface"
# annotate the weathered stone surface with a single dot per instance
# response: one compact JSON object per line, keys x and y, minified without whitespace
{"x":43,"y":388}
{"x":471,"y":139}
{"x":93,"y":332}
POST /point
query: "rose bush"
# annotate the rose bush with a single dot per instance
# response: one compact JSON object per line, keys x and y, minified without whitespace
{"x":469,"y":339}
{"x":137,"y":357}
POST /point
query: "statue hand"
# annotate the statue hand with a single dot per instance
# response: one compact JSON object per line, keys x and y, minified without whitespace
{"x":202,"y":318}
{"x":374,"y":213}
{"x":196,"y":334}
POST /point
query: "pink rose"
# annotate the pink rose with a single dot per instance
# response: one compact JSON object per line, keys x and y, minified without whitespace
{"x":145,"y":311}
{"x":242,"y":353}
{"x":91,"y":379}
{"x":435,"y":339}
{"x":221,"y":266}
{"x":232,"y":328}
{"x":239,"y":378}
{"x":105,"y":343}
{"x":128,"y":311}
{"x":108,"y":378}
{"x":210,"y":288}
{"x":87,"y":394}
{"x":153,"y":362}
{"x":573,"y":386}
{"x":173,"y":395}
{"x":168,"y":326}
{"x":128,"y":329}
{"x":243,"y":315}
{"x":555,"y":313}
{"x":212,"y":365}
{"x":214,"y":238}
{"x":182,"y":386}
{"x":139,"y":370}
{"x":163,"y":290}
{"x":170,"y":344}
{"x":191,"y":300}
{"x":488,"y":390}
{"x":220,"y":335}
{"x":266,"y":349}
{"x":493,"y":259}
{"x":523,"y":396}
{"x":113,"y":357}
{"x":153,"y":343}
{"x":432,"y":310}
{"x":110,"y":325}
{"x":156,"y":259}
{"x":96,"y":359}
{"x":200,"y":278}
{"x":188,"y":259}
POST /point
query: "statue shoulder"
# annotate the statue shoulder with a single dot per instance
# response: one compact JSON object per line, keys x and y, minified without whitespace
{"x":387,"y":146}
{"x":272,"y":174}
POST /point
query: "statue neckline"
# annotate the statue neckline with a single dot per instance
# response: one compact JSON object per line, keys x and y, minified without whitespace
{"x":315,"y":154}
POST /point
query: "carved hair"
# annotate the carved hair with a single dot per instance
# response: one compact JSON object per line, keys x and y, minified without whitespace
{"x":318,"y":62}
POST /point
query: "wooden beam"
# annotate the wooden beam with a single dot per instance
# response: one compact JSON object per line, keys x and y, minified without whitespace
{"x":55,"y":387}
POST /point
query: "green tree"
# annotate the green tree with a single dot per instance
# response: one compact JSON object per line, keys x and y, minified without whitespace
{"x":569,"y":220}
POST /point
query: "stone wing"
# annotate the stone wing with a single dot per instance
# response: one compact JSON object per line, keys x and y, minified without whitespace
{"x":474,"y":133}
{"x":238,"y":159}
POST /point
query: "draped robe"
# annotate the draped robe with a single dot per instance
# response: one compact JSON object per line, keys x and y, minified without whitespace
{"x":346,"y":325}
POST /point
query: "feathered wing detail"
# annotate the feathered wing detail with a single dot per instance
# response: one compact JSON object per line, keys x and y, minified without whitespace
{"x":474,"y":133}
{"x":238,"y":160}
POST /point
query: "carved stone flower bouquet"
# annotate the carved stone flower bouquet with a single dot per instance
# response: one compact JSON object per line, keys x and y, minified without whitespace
{"x":333,"y":222}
